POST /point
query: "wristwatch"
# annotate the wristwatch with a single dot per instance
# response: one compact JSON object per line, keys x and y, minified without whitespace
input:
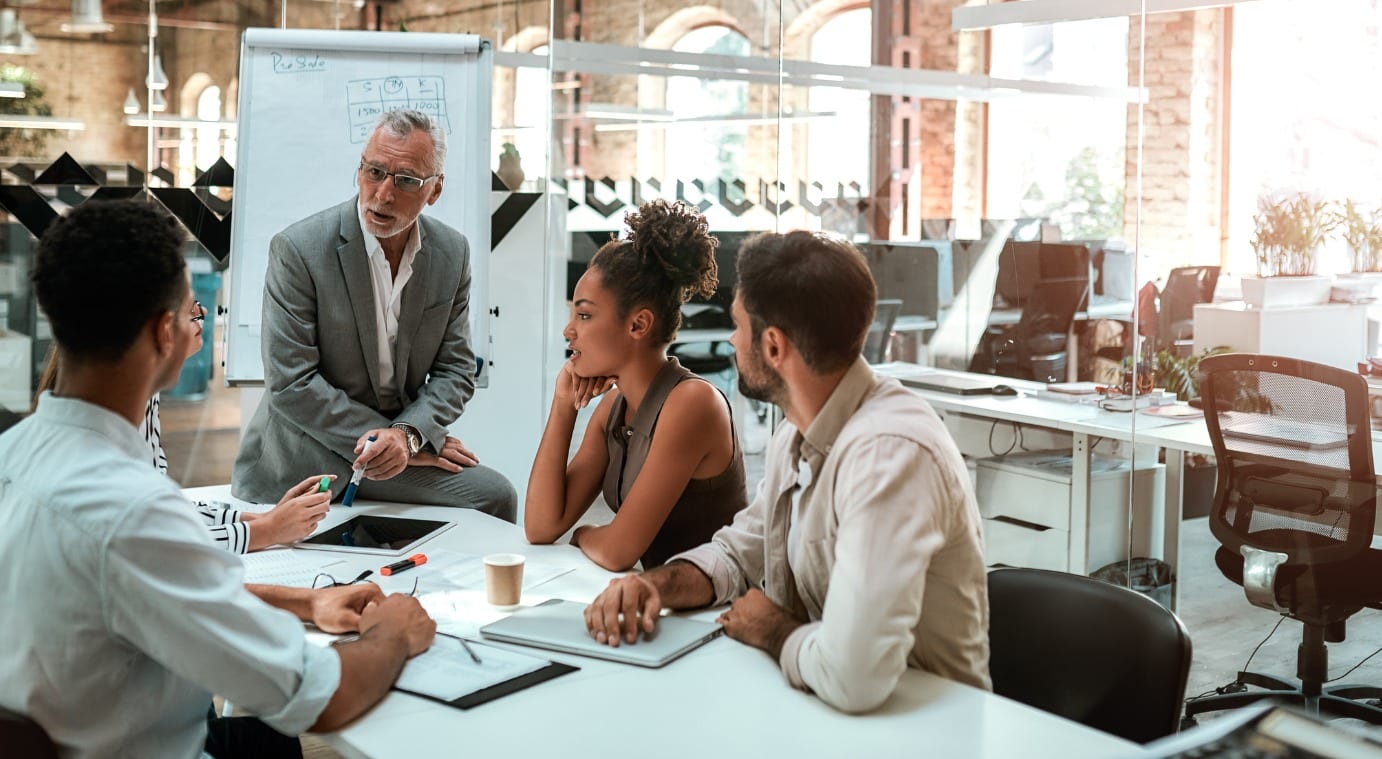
{"x":413,"y":436}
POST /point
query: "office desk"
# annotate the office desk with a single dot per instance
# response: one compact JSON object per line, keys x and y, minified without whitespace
{"x":724,"y":698}
{"x":1084,"y":423}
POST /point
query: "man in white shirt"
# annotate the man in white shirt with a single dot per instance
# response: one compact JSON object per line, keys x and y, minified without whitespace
{"x":121,"y":615}
{"x":366,"y":333}
{"x":861,"y":554}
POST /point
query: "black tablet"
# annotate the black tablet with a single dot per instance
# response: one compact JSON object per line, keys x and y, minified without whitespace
{"x":367,"y":533}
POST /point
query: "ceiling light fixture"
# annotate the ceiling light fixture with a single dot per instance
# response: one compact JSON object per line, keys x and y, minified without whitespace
{"x":975,"y":17}
{"x":131,"y":102}
{"x":86,"y":18}
{"x":157,"y":79}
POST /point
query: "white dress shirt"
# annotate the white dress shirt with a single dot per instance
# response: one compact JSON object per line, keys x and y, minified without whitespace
{"x":388,"y":300}
{"x":121,"y":617}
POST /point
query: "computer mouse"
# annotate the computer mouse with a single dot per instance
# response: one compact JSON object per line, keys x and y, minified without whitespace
{"x":1003,"y":390}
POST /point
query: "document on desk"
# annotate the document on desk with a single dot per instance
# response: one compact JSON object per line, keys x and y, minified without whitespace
{"x":279,"y":567}
{"x":447,"y":672}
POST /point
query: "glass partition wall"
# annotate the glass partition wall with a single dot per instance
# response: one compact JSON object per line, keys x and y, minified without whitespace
{"x":1083,"y":201}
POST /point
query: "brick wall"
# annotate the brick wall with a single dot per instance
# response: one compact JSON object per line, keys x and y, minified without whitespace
{"x":1181,"y":157}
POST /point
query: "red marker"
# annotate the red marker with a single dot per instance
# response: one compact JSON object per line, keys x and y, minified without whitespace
{"x":416,"y":560}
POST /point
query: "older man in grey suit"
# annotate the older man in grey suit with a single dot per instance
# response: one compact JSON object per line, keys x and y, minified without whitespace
{"x":366,"y":334}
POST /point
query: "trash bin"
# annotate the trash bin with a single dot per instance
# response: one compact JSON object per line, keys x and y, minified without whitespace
{"x":196,"y":372}
{"x":1150,"y":577}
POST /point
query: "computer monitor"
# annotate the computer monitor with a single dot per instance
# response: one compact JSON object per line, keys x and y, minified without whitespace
{"x":1019,"y":269}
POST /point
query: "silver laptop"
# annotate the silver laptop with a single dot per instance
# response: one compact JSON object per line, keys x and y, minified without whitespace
{"x":559,"y":625}
{"x":949,"y":383}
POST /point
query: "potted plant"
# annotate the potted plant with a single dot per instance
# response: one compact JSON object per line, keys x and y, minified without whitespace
{"x":1287,"y":232}
{"x":510,"y":170}
{"x":1180,"y":375}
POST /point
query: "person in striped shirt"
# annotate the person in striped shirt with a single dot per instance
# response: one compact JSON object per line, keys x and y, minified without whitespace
{"x":293,"y":518}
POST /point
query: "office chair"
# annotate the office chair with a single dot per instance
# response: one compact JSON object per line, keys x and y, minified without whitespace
{"x":881,"y":331}
{"x":1034,"y":348}
{"x":1185,"y":287}
{"x":21,"y":736}
{"x":1293,"y":513}
{"x":715,"y":358}
{"x":1099,"y":654}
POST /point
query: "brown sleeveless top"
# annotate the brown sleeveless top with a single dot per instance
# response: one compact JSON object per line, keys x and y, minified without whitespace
{"x":704,"y":506}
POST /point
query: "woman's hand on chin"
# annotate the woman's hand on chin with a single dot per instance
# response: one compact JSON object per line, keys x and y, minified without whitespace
{"x":578,"y":391}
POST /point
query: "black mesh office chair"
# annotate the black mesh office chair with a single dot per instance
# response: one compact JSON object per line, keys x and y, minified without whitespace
{"x":21,"y":736}
{"x":1185,"y":287}
{"x":1035,"y":347}
{"x":881,"y":331}
{"x":711,"y":358}
{"x":1294,"y":513}
{"x":1099,"y":654}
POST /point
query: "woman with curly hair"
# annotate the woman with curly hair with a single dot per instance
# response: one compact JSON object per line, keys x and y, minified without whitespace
{"x":662,"y":448}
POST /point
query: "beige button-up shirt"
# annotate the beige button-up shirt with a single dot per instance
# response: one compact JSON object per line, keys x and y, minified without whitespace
{"x":889,"y":560}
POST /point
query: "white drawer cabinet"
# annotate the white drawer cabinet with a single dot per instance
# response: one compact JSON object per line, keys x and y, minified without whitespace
{"x":1029,"y":520}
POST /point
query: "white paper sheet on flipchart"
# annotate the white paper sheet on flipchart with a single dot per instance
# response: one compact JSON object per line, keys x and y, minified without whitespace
{"x":452,"y":570}
{"x":447,"y":672}
{"x":463,"y":612}
{"x":280,"y":567}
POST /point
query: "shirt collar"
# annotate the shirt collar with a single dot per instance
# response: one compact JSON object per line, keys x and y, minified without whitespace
{"x":99,"y":419}
{"x":819,"y":438}
{"x":373,"y":248}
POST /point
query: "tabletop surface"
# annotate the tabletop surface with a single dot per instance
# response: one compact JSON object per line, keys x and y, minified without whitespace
{"x":723,"y":698}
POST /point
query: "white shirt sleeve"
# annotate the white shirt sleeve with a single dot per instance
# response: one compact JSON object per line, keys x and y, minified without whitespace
{"x":173,"y":595}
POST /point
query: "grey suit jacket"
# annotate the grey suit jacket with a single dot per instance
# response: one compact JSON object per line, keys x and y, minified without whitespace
{"x":321,"y":356}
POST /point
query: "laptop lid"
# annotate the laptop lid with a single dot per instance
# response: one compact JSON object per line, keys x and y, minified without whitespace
{"x":947,"y":383}
{"x":559,"y":625}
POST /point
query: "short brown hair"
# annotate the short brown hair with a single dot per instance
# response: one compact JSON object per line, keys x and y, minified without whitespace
{"x":668,"y":257}
{"x":815,"y":288}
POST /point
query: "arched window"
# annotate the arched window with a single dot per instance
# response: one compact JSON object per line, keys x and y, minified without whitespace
{"x":707,"y":151}
{"x":199,"y":147}
{"x":838,"y":145}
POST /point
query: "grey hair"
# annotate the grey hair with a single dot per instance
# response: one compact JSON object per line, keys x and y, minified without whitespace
{"x":403,"y":121}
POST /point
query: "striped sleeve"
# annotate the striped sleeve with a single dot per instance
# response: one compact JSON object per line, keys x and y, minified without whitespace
{"x":226,"y":528}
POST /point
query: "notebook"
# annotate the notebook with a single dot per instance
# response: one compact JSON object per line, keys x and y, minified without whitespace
{"x":948,"y":383}
{"x":559,"y":625}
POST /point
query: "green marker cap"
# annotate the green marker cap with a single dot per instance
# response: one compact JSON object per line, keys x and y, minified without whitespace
{"x":324,"y":485}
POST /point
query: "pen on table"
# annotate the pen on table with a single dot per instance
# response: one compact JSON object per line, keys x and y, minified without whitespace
{"x":416,"y":560}
{"x":356,"y":474}
{"x":469,"y":650}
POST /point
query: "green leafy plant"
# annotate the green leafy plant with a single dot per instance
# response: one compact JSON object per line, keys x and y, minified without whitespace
{"x":1287,"y":232}
{"x":1362,"y":231}
{"x":510,"y":150}
{"x":1180,"y":374}
{"x":18,"y":141}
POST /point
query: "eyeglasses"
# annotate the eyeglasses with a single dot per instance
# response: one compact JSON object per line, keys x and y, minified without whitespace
{"x":375,"y":175}
{"x":324,"y":580}
{"x":199,"y":312}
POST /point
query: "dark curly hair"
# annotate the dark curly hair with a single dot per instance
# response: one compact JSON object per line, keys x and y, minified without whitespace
{"x":668,"y":257}
{"x":104,"y":271}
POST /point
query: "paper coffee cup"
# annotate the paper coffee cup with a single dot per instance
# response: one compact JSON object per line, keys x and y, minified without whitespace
{"x":503,"y":578}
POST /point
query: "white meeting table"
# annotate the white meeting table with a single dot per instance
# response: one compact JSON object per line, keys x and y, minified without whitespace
{"x":723,"y":699}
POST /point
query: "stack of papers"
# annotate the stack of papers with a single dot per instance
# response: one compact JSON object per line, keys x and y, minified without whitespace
{"x":446,"y":671}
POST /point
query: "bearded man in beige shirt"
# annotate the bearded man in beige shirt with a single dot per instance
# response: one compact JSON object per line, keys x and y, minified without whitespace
{"x":861,"y":554}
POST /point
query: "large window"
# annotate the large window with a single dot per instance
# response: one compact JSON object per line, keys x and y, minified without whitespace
{"x":1304,"y":115}
{"x":1060,"y":157}
{"x":715,"y":150}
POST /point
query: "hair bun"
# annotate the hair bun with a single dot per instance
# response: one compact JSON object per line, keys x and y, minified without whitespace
{"x":675,"y":238}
